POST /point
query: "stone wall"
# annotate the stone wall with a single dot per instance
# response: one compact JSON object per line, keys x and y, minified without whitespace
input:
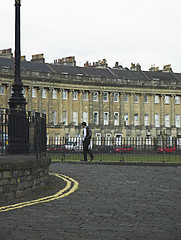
{"x":20,"y":175}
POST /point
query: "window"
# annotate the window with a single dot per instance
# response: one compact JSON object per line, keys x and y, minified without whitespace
{"x":95,"y":96}
{"x":116,"y":119}
{"x":106,"y":118}
{"x":54,"y":94}
{"x":57,"y":139}
{"x":54,"y":117}
{"x":125,"y":97}
{"x":177,"y":99}
{"x":177,"y":120}
{"x":44,"y":93}
{"x":1,"y":90}
{"x":116,"y":97}
{"x":167,"y":99}
{"x":146,"y":99}
{"x":108,"y":139}
{"x":64,"y":117}
{"x":146,"y":119}
{"x":157,"y":99}
{"x":135,"y":98}
{"x":167,"y":120}
{"x":126,"y":119}
{"x":85,"y":96}
{"x":75,"y":118}
{"x":105,"y":97}
{"x":64,"y":94}
{"x":95,"y":118}
{"x":85,"y":117}
{"x":33,"y":92}
{"x":75,"y":95}
{"x":157,"y":120}
{"x":98,"y":138}
{"x":136,"y":122}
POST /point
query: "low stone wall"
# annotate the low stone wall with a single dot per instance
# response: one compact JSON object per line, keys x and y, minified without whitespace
{"x":20,"y":175}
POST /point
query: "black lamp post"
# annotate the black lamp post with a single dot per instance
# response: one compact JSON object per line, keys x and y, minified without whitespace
{"x":18,"y":123}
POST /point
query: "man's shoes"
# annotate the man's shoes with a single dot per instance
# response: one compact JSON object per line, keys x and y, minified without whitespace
{"x":92,"y":158}
{"x":83,"y":160}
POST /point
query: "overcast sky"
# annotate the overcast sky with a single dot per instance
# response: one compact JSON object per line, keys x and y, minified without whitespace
{"x":139,"y":31}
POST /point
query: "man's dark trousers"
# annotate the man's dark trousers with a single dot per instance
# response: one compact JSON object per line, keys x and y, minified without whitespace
{"x":86,"y":150}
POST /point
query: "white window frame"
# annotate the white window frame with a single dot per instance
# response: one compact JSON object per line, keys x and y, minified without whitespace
{"x":167,"y":120}
{"x":85,"y":117}
{"x":167,"y":99}
{"x":75,"y":95}
{"x":116,"y":118}
{"x":135,"y":98}
{"x":85,"y":96}
{"x":136,"y":119}
{"x":54,"y":117}
{"x":65,"y":117}
{"x":95,"y":113}
{"x":98,"y":139}
{"x":177,"y":100}
{"x":105,"y":96}
{"x":57,"y":138}
{"x":75,"y":118}
{"x":146,"y":99}
{"x":157,"y":99}
{"x":125,"y":97}
{"x":106,"y":118}
{"x":108,"y":139}
{"x":64,"y":95}
{"x":177,"y":120}
{"x":44,"y":93}
{"x":116,"y":97}
{"x":33,"y":92}
{"x":157,"y":120}
{"x":126,"y":119}
{"x":95,"y":96}
{"x":146,"y":119}
{"x":54,"y":94}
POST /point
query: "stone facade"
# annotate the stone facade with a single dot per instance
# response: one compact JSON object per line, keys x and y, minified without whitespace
{"x":113,"y":101}
{"x":21,"y":175}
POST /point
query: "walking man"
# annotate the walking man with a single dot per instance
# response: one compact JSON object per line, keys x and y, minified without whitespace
{"x":86,"y":141}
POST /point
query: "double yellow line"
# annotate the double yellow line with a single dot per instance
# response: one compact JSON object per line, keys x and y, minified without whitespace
{"x":61,"y":194}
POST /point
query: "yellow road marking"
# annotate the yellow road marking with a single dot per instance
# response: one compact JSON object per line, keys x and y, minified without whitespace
{"x":61,"y":194}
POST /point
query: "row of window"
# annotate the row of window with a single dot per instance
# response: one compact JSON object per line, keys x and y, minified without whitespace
{"x":116,"y":119}
{"x":96,"y":95}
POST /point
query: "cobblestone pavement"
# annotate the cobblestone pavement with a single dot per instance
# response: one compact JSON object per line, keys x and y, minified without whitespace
{"x":112,"y":202}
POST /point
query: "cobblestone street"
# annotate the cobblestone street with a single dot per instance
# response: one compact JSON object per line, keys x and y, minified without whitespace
{"x":111,"y":203}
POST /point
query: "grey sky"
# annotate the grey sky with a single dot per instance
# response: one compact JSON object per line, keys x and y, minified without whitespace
{"x":142,"y":31}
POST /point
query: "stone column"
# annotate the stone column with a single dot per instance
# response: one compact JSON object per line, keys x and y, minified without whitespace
{"x":40,"y":100}
{"x":60,"y":111}
{"x":90,"y":108}
{"x":142,"y":109}
{"x":70,"y":120}
{"x":131,"y":122}
{"x":121,"y":109}
{"x":80,"y":103}
{"x":152,"y":110}
{"x":101,"y":108}
{"x":162,"y":111}
{"x":111,"y":113}
{"x":30,"y":99}
{"x":50,"y":108}
{"x":172,"y":111}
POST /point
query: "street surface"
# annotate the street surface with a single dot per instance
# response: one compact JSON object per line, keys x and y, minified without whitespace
{"x":111,"y":203}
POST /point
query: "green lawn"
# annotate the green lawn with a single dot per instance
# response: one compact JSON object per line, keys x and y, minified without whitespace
{"x":150,"y":158}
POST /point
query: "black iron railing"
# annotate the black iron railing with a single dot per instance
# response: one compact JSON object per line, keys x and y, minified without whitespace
{"x":30,"y":137}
